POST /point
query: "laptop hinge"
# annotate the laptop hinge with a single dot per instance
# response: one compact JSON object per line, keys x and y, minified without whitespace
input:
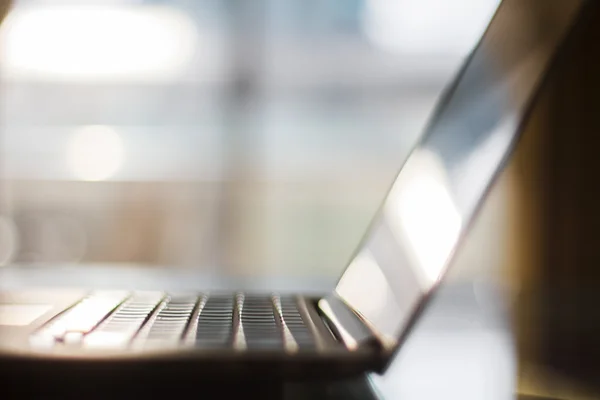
{"x":346,"y":324}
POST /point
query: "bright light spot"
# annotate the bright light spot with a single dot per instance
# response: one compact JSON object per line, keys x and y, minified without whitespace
{"x":422,"y":211}
{"x":427,"y":26}
{"x":83,"y":317}
{"x":371,"y":291}
{"x":431,"y":223}
{"x":366,"y":287}
{"x":94,"y":43}
{"x":107,"y":339}
{"x":95,"y":153}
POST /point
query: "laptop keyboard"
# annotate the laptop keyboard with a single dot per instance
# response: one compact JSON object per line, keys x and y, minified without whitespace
{"x":214,"y":325}
{"x":152,"y":319}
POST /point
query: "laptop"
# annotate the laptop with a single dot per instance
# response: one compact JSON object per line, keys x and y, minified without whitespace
{"x":389,"y":280}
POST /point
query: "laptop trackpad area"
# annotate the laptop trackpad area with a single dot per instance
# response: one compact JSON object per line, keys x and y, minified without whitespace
{"x":21,"y":314}
{"x":24,"y":311}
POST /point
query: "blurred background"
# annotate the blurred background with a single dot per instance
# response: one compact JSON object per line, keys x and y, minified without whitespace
{"x":229,"y":136}
{"x":258,"y":138}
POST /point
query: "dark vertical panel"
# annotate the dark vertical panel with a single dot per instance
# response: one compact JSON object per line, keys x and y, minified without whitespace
{"x":561,"y":312}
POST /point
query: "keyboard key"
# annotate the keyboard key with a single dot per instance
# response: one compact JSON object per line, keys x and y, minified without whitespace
{"x":259,"y":325}
{"x":120,"y":327}
{"x":295,"y":323}
{"x":84,"y":316}
{"x":214,"y":326}
{"x":172,"y":320}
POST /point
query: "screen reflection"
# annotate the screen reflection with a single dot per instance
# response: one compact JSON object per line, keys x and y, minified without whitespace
{"x":445,"y":178}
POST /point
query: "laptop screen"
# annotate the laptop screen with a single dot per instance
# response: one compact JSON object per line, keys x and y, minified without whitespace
{"x":437,"y":192}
